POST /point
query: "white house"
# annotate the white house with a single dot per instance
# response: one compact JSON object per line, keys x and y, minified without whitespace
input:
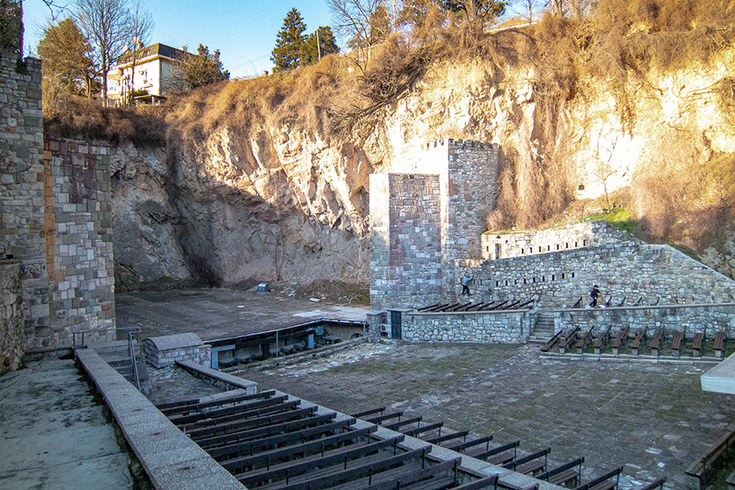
{"x":150,"y":75}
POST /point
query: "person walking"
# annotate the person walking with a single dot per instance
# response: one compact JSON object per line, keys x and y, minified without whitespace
{"x":466,"y":279}
{"x":594,"y":294}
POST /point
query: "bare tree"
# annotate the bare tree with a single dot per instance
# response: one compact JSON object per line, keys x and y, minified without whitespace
{"x":604,"y":169}
{"x":530,"y":10}
{"x":361,"y":23}
{"x":140,"y":28}
{"x":106,"y":23}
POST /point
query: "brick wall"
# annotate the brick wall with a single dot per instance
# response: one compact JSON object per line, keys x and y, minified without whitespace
{"x":22,"y":230}
{"x":79,"y":239}
{"x":12,"y":342}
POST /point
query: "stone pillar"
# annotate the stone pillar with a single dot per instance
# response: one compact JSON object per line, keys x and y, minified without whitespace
{"x":79,"y":240}
{"x":22,"y":229}
{"x":12,"y":341}
{"x":405,"y":240}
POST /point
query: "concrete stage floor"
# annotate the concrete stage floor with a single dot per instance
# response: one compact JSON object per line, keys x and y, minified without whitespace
{"x":219,"y":313}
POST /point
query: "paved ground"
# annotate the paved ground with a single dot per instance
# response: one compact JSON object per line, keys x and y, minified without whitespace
{"x":218,"y":313}
{"x":54,"y":433}
{"x":654,"y":417}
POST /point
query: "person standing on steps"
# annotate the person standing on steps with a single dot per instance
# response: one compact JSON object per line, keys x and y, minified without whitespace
{"x":466,"y":279}
{"x":594,"y":294}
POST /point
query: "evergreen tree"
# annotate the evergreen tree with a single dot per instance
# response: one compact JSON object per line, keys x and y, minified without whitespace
{"x":67,"y":59}
{"x":319,"y":44}
{"x":289,"y":42}
{"x":11,"y":26}
{"x":203,"y":69}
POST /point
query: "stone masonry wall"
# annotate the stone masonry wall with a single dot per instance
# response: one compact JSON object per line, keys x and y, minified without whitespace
{"x":419,"y":231}
{"x":79,"y":240}
{"x":689,"y":318}
{"x":511,"y":327}
{"x":412,"y":258}
{"x":516,"y":244}
{"x":22,"y":230}
{"x":12,"y":341}
{"x":657,"y":273}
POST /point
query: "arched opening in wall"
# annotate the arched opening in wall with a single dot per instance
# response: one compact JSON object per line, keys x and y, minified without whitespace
{"x":584,"y":243}
{"x":575,"y":244}
{"x":548,"y":248}
{"x":567,"y":245}
{"x":540,"y":249}
{"x":563,"y":276}
{"x":553,"y":277}
{"x":523,"y":251}
{"x":557,"y":246}
{"x":497,"y":250}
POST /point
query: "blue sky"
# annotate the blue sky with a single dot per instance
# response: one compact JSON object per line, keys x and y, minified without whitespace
{"x":243,"y":30}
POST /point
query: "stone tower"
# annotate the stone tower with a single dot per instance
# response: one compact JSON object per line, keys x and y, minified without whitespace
{"x":426,"y":218}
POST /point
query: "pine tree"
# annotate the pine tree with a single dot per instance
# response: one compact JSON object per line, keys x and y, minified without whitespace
{"x":289,"y":42}
{"x":319,"y":44}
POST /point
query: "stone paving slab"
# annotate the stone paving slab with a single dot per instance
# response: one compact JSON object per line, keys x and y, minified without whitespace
{"x":54,"y":433}
{"x":655,"y":418}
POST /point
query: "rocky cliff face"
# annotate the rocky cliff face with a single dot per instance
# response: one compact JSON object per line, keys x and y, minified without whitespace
{"x":292,"y":204}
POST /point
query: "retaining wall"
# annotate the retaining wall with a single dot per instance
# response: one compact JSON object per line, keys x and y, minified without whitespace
{"x":501,"y":327}
{"x":657,"y":273}
{"x":692,"y":319}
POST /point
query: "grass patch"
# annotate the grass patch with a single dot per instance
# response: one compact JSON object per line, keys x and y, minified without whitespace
{"x":619,"y":218}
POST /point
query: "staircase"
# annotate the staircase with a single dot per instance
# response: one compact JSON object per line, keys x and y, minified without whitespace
{"x":543,"y":330}
{"x":116,"y":355}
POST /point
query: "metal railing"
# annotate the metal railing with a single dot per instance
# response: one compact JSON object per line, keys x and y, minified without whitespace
{"x":132,"y":336}
{"x":133,"y":360}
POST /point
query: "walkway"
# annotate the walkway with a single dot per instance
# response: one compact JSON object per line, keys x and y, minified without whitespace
{"x":54,"y":433}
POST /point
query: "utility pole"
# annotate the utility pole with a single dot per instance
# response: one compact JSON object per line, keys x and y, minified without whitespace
{"x":318,"y":47}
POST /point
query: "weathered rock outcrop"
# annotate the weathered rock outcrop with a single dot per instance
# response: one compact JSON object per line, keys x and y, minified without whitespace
{"x":291,"y":204}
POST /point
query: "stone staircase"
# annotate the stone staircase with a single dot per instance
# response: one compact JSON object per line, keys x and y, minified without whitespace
{"x":116,"y":355}
{"x":543,"y":330}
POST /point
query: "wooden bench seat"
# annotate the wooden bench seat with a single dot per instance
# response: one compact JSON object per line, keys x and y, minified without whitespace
{"x":697,"y":472}
{"x":619,"y":340}
{"x":602,"y":340}
{"x":639,"y":337}
{"x":605,"y":482}
{"x":564,"y":474}
{"x":566,"y":342}
{"x":677,"y":343}
{"x":547,"y":347}
{"x":720,"y":346}
{"x":697,"y":344}
{"x":658,"y":483}
{"x":488,"y":454}
{"x":584,"y":340}
{"x":656,"y":342}
{"x":530,"y":464}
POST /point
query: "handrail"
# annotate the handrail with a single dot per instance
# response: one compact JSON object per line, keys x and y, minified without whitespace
{"x":133,"y":361}
{"x":103,"y":330}
{"x":132,"y":332}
